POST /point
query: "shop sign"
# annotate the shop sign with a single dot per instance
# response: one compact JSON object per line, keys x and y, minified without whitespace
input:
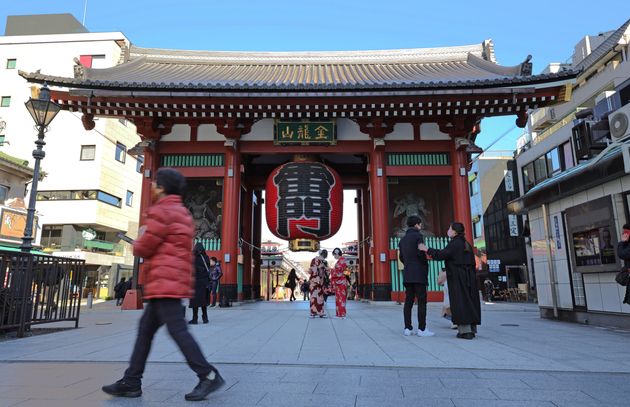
{"x":509,"y":181}
{"x":305,"y":133}
{"x":556,"y":227}
{"x":513,"y":222}
{"x":494,"y":266}
{"x":13,"y":224}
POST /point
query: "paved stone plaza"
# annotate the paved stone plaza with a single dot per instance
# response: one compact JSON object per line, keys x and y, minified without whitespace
{"x":271,"y":354}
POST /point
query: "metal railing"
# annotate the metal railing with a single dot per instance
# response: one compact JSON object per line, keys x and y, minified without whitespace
{"x":39,"y":289}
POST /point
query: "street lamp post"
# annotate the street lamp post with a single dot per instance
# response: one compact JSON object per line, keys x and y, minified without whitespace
{"x":43,"y":111}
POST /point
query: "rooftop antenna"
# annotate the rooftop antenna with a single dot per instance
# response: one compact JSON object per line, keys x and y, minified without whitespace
{"x":84,"y":12}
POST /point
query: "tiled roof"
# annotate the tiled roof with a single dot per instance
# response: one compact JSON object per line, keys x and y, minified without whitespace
{"x":605,"y":47}
{"x":431,"y":68}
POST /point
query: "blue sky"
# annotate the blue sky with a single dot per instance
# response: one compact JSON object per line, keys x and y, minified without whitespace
{"x":546,"y":29}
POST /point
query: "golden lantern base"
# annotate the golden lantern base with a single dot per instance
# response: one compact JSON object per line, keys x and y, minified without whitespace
{"x":303,"y":245}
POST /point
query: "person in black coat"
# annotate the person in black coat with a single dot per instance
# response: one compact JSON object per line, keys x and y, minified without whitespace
{"x":463,"y":293}
{"x":292,"y":283}
{"x":415,"y":276}
{"x":119,"y":291}
{"x":623,"y":251}
{"x":202,"y":283}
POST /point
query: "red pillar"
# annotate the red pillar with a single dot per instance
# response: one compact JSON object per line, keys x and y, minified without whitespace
{"x":257,"y":238}
{"x":360,"y":237}
{"x":230,"y":221}
{"x":461,"y":195}
{"x":366,"y":264}
{"x":380,"y":226}
{"x":246,"y":248}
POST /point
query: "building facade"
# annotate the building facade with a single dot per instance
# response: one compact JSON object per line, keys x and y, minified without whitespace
{"x":90,"y":188}
{"x":575,"y":181}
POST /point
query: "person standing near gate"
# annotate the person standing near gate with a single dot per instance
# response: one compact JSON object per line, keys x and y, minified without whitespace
{"x":165,"y":244}
{"x":339,"y":282}
{"x":316,"y":284}
{"x":202,"y":283}
{"x":215,"y":276}
{"x":459,"y":260}
{"x":292,"y":283}
{"x":415,"y":276}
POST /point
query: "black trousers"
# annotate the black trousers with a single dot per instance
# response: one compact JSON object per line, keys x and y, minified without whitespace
{"x":204,"y":313}
{"x":419,"y":291}
{"x":169,"y":312}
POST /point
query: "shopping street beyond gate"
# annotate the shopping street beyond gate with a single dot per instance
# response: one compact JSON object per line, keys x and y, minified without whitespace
{"x":273,"y":354}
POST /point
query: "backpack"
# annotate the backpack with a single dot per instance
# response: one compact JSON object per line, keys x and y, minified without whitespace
{"x":225,"y":302}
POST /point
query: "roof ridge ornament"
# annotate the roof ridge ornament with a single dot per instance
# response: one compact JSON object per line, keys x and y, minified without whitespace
{"x":526,"y":66}
{"x":79,"y":69}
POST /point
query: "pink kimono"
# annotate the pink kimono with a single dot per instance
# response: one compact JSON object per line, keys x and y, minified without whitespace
{"x":340,"y":283}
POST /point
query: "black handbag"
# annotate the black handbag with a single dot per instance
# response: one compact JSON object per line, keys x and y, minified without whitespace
{"x":623,"y":278}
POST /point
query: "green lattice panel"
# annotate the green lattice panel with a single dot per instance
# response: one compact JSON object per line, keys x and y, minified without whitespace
{"x":418,"y":159}
{"x":192,"y":160}
{"x":210,"y":244}
{"x":434,"y":266}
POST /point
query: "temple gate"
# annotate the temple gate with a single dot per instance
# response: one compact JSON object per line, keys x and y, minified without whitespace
{"x":404,"y":124}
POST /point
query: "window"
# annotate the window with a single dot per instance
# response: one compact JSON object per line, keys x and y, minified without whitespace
{"x":474,"y":187}
{"x":477,"y":232}
{"x":5,"y":101}
{"x":567,"y":154}
{"x":553,"y":162}
{"x":129,"y":199}
{"x":528,"y":176}
{"x":88,"y":153}
{"x":121,"y":152}
{"x":11,"y":63}
{"x":66,"y":195}
{"x":108,"y":198}
{"x":4,"y":193}
{"x":139,"y":162}
{"x":93,"y":61}
{"x":540,"y":169}
{"x":51,"y":236}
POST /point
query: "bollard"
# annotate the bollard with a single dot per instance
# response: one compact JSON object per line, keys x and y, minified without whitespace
{"x":89,"y":299}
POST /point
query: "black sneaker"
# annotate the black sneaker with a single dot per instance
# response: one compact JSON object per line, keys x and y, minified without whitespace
{"x":193,"y":322}
{"x":205,"y":387}
{"x":123,"y":389}
{"x":467,"y":335}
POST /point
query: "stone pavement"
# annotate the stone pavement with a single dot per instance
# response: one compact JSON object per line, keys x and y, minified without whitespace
{"x":271,"y":354}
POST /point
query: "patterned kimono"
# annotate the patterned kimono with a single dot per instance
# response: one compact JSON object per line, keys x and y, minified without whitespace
{"x":340,"y":283}
{"x":316,"y":289}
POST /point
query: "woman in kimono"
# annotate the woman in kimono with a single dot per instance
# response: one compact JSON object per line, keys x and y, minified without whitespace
{"x":339,"y":281}
{"x":316,"y":284}
{"x":463,"y":293}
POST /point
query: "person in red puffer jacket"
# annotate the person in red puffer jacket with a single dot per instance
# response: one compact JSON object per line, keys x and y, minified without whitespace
{"x":165,"y":244}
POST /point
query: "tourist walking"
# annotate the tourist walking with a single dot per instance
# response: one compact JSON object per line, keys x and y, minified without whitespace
{"x":415,"y":276}
{"x":459,"y":260}
{"x":202,"y":284}
{"x":338,"y":280}
{"x":119,"y":291}
{"x":623,"y":251}
{"x":165,"y":244}
{"x":215,"y":276}
{"x":316,"y":284}
{"x":291,"y":283}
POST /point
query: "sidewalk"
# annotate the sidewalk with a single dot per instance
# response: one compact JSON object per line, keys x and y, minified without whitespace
{"x":272,"y":354}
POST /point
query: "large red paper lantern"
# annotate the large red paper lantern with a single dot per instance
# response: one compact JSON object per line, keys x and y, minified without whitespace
{"x":304,"y":203}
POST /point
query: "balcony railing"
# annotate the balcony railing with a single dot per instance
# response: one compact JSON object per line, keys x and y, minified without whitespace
{"x":104,"y":246}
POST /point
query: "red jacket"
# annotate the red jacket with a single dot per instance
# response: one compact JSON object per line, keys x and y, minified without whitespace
{"x":166,"y":247}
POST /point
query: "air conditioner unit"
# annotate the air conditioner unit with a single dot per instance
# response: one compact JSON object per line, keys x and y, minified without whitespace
{"x":543,"y":118}
{"x":619,"y":122}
